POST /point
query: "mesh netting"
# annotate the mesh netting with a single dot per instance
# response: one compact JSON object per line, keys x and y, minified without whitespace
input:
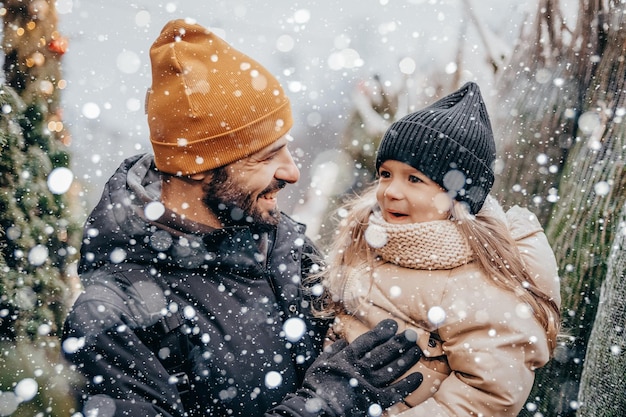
{"x":603,"y":383}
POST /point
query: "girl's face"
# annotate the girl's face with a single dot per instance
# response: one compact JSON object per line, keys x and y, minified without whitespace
{"x":405,"y":195}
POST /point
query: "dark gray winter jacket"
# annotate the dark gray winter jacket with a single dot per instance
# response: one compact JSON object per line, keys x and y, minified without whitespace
{"x":144,"y":277}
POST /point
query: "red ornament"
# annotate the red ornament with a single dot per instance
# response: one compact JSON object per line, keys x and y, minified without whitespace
{"x":58,"y":45}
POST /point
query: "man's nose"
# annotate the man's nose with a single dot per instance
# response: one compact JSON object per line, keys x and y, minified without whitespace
{"x":288,"y":171}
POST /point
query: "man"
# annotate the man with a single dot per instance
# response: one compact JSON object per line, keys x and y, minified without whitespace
{"x":195,"y":299}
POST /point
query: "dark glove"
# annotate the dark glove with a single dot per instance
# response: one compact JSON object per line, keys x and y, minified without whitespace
{"x":346,"y":380}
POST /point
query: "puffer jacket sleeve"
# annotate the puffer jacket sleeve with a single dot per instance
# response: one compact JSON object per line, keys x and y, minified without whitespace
{"x":532,"y":243}
{"x":535,"y":249}
{"x":100,"y":339}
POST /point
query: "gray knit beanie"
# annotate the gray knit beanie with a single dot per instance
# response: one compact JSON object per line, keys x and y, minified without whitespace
{"x":450,"y":141}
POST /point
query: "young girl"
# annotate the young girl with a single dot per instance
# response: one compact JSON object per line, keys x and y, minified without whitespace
{"x":428,"y":247}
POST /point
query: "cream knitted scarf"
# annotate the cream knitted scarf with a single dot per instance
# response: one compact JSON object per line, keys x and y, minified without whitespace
{"x":429,"y":245}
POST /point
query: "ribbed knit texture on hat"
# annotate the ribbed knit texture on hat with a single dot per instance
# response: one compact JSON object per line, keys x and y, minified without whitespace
{"x":209,"y":104}
{"x":450,"y":141}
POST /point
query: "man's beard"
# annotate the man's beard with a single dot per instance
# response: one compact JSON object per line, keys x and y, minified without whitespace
{"x":235,"y":207}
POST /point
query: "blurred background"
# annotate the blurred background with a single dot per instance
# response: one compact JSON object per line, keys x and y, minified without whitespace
{"x":323,"y":52}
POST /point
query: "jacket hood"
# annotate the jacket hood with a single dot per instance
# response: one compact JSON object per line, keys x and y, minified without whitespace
{"x":123,"y":228}
{"x":112,"y":227}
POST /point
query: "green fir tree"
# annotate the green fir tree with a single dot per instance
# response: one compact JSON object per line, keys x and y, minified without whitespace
{"x":39,"y":232}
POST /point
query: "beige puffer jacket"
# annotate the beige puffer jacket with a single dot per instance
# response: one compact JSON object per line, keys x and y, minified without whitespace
{"x":480,"y":360}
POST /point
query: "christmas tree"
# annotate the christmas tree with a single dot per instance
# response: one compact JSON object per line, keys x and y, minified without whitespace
{"x":38,"y":231}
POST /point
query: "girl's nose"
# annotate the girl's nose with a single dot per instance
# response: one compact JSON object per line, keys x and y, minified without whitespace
{"x":393,"y":191}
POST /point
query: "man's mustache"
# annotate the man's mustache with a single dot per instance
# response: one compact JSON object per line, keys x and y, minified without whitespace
{"x":276,"y":185}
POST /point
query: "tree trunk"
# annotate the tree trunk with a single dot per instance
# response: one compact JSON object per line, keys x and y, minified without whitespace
{"x":574,"y":122}
{"x":535,"y":125}
{"x":593,"y":193}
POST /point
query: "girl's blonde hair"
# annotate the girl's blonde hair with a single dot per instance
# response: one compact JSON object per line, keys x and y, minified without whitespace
{"x":489,"y":238}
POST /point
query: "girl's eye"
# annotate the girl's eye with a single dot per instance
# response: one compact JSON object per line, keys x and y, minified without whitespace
{"x":384,"y":174}
{"x":413,"y":178}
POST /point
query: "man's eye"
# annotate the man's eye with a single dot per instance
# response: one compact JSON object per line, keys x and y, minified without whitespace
{"x":267,"y":158}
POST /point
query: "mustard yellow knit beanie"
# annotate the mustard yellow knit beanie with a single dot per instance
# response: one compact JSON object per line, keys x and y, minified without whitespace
{"x":209,"y":104}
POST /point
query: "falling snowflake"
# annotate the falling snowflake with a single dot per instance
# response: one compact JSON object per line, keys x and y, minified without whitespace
{"x":273,"y":379}
{"x":60,"y":180}
{"x":375,"y":236}
{"x":294,"y":329}
{"x":436,"y":315}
